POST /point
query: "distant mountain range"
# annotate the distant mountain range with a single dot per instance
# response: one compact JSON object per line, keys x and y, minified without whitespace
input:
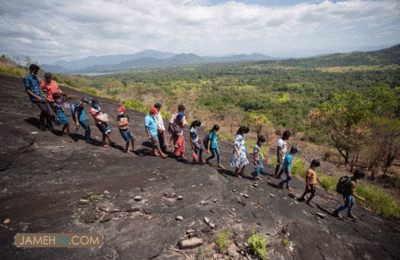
{"x":144,"y":58}
{"x":156,"y":58}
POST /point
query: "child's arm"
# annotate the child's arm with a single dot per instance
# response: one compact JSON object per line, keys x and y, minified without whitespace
{"x":54,"y":114}
{"x":208,"y":146}
{"x":147,"y":132}
{"x":191,"y":140}
{"x":255,"y":159}
{"x":358,"y":197}
{"x":319,"y":181}
{"x":237,"y":151}
{"x":76,"y":117}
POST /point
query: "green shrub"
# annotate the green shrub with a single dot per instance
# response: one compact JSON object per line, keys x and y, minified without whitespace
{"x":273,"y":161}
{"x":90,"y":91}
{"x":221,"y":241}
{"x":378,"y":201}
{"x":285,"y":242}
{"x":298,"y":167}
{"x":134,"y":104}
{"x":257,"y":245}
{"x":328,"y":182}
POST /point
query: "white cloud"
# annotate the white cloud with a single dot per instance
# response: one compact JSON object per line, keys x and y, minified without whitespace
{"x":50,"y":29}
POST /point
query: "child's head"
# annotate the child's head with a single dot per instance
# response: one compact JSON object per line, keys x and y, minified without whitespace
{"x":121,"y":110}
{"x":33,"y":68}
{"x":56,"y":96}
{"x":85,"y":100}
{"x":195,"y":123}
{"x":261,"y":139}
{"x":243,"y":130}
{"x":158,"y":106}
{"x":359,"y":175}
{"x":286,"y":135}
{"x":181,"y":108}
{"x":294,"y":150}
{"x":95,"y":103}
{"x":215,"y":128}
{"x":153,"y":111}
{"x":315,"y":163}
{"x":47,"y":77}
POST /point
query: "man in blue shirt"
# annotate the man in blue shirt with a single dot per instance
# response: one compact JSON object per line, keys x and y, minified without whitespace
{"x":151,"y":130}
{"x":32,"y":87}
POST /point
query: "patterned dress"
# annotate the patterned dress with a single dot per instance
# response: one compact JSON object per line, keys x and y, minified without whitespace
{"x":60,"y":114}
{"x":241,"y":161}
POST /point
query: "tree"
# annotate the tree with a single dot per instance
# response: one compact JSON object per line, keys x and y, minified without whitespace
{"x":344,"y":121}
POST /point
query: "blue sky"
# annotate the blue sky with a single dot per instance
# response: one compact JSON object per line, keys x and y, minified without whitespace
{"x":49,"y":30}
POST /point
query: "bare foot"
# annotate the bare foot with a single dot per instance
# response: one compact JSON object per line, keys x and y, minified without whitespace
{"x":156,"y":154}
{"x":258,"y":178}
{"x":164,"y":155}
{"x":105,"y":145}
{"x":183,"y":157}
{"x":127,"y":151}
{"x":133,"y":150}
{"x":221,"y":167}
{"x":289,"y":188}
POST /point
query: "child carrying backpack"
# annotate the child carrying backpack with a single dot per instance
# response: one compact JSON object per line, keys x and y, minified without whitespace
{"x":346,"y":187}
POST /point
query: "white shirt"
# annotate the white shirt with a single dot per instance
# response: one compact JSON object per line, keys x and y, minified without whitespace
{"x":159,"y":121}
{"x":282,"y":145}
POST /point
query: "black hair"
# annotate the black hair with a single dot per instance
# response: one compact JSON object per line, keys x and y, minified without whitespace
{"x":315,"y":163}
{"x":261,"y":139}
{"x":243,"y":130}
{"x":286,"y":134}
{"x":181,"y":108}
{"x":157,"y":105}
{"x":56,"y":96}
{"x":94,"y":102}
{"x":215,"y":128}
{"x":195,"y":123}
{"x":33,"y":67}
{"x":359,"y":174}
{"x":47,"y":75}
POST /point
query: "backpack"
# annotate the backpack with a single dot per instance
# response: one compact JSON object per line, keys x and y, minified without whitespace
{"x":342,"y":185}
{"x":205,"y":141}
{"x":73,"y":110}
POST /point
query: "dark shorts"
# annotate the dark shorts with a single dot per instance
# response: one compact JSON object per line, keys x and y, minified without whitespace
{"x":154,"y":141}
{"x":312,"y":189}
{"x":126,"y":134}
{"x":104,"y":128}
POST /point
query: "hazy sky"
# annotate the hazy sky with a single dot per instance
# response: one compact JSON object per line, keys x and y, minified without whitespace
{"x":48,"y":30}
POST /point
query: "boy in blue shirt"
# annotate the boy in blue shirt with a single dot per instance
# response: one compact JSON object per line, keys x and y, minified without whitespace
{"x":151,"y":130}
{"x":286,"y":167}
{"x":80,"y":118}
{"x":213,"y":146}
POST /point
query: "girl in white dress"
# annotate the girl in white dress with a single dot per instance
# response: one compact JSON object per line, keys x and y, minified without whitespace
{"x":239,"y":157}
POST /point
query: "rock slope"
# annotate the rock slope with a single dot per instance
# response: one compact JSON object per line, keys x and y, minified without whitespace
{"x":148,"y":204}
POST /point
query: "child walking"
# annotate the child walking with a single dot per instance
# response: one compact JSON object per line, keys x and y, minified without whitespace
{"x":286,"y":167}
{"x":151,"y":129}
{"x":281,"y":152}
{"x":213,"y":146}
{"x":79,"y":116}
{"x":176,"y":126}
{"x":123,"y":123}
{"x":311,"y":180}
{"x":101,"y":122}
{"x":60,"y":117}
{"x":258,"y":166}
{"x":348,"y":193}
{"x":160,"y":128}
{"x":239,"y":157}
{"x":195,"y":141}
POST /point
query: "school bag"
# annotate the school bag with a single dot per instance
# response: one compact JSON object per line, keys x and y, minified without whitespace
{"x":342,"y":185}
{"x":205,"y":141}
{"x":73,"y":110}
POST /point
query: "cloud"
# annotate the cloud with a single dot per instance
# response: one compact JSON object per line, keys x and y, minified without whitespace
{"x":49,"y":29}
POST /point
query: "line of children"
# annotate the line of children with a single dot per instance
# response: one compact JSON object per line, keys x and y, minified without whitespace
{"x":123,"y":124}
{"x":212,"y":145}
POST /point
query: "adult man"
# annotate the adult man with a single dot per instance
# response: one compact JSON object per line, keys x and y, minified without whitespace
{"x":160,"y":128}
{"x":281,"y":151}
{"x":349,"y":194}
{"x":32,"y":87}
